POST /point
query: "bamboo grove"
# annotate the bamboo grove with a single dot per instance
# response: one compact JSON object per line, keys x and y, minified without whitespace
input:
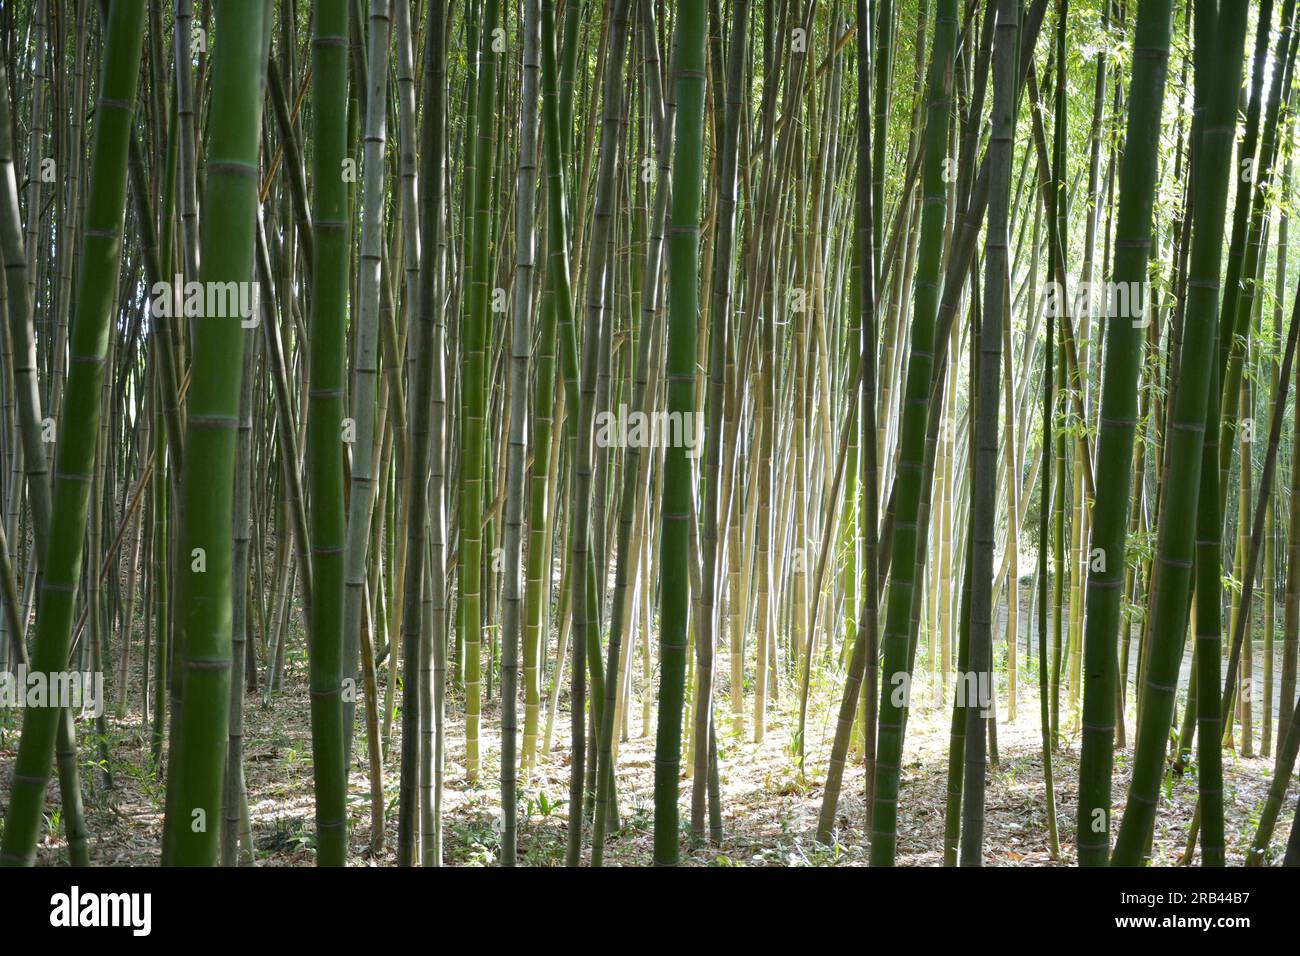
{"x":495,"y":430}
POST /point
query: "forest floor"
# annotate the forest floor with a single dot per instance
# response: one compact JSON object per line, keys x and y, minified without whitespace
{"x":769,"y":809}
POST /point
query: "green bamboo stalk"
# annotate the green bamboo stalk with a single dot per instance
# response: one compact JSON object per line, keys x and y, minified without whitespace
{"x":957,"y":725}
{"x":1255,"y":173}
{"x":1123,"y":361}
{"x":719,"y":332}
{"x":537,"y":574}
{"x":979,"y":669}
{"x":683,"y":314}
{"x":234,"y":795}
{"x":863,"y":486}
{"x":362,"y":472}
{"x":859,"y":682}
{"x":325,"y":412}
{"x":21,"y":369}
{"x":586,"y":589}
{"x":882,"y":61}
{"x":1218,"y":51}
{"x":1203,"y":698}
{"x":474,"y":344}
{"x":429,"y":407}
{"x":79,"y":425}
{"x":916,"y":409}
{"x":1291,"y":609}
{"x":514,"y":483}
{"x":1288,"y":747}
{"x":557,"y":310}
{"x":635,"y":464}
{"x":203,"y":639}
{"x":1046,"y":688}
